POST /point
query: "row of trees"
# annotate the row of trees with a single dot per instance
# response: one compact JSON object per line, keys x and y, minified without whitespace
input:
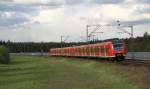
{"x":4,"y":55}
{"x":16,"y":47}
{"x":139,"y":44}
{"x":135,"y":44}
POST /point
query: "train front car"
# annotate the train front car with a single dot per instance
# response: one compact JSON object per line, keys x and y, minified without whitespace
{"x":119,"y":49}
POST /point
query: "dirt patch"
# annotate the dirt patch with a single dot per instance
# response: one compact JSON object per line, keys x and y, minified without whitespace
{"x":139,"y":74}
{"x":145,"y":82}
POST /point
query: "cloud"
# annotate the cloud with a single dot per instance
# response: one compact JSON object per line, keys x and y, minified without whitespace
{"x":15,"y":14}
{"x":107,"y":1}
{"x":144,"y":1}
{"x":49,"y":16}
{"x":74,"y":2}
{"x":16,"y":8}
{"x":144,"y":10}
{"x":11,"y":18}
{"x":64,"y":2}
{"x":137,"y":22}
{"x":40,"y":2}
{"x":46,"y":20}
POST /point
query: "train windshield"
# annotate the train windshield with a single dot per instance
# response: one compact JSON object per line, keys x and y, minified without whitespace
{"x":118,"y":45}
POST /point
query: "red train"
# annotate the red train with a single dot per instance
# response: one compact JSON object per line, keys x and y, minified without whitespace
{"x":114,"y":49}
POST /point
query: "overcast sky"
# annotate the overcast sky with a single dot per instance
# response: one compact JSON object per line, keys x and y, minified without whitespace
{"x":47,"y":20}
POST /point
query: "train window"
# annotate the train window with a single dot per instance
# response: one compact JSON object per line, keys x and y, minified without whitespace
{"x":65,"y":51}
{"x":103,"y":50}
{"x":87,"y":50}
{"x":117,"y":45}
{"x":92,"y":50}
{"x":61,"y":51}
{"x":81,"y":50}
{"x":97,"y":49}
{"x":78,"y":50}
{"x":107,"y":50}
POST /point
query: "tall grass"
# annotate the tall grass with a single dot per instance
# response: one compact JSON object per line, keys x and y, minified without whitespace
{"x":33,"y":72}
{"x":4,"y":55}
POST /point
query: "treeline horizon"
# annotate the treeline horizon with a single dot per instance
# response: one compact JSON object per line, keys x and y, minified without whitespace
{"x":138,"y":44}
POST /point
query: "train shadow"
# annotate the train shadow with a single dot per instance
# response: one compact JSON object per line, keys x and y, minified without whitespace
{"x":95,"y":59}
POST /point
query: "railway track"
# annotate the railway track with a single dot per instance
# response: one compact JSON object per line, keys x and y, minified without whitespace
{"x":138,"y":62}
{"x":134,"y":62}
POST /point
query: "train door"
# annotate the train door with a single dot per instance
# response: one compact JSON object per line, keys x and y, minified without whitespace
{"x":65,"y":52}
{"x":75,"y":51}
{"x":69,"y":51}
{"x":78,"y":53}
{"x":87,"y":51}
{"x":102,"y":51}
{"x":99,"y":50}
{"x":82,"y":51}
{"x":105,"y":50}
{"x":57,"y":52}
{"x":62,"y":51}
{"x":72,"y":51}
{"x":96,"y":50}
{"x":92,"y":51}
{"x":110,"y":49}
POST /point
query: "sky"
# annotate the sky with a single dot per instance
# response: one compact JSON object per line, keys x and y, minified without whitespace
{"x":48,"y":20}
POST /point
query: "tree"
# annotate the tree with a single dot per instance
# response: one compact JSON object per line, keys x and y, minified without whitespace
{"x":146,"y":34}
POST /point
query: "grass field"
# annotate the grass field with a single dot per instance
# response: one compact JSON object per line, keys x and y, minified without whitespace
{"x":29,"y":72}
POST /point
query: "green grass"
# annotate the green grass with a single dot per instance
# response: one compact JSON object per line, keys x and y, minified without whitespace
{"x":29,"y":72}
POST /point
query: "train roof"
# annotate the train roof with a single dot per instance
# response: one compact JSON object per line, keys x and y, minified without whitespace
{"x":100,"y":43}
{"x":85,"y":45}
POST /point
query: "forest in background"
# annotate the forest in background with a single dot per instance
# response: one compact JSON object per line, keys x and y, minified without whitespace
{"x":138,"y":44}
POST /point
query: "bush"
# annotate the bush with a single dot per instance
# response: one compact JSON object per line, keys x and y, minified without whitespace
{"x":4,"y":55}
